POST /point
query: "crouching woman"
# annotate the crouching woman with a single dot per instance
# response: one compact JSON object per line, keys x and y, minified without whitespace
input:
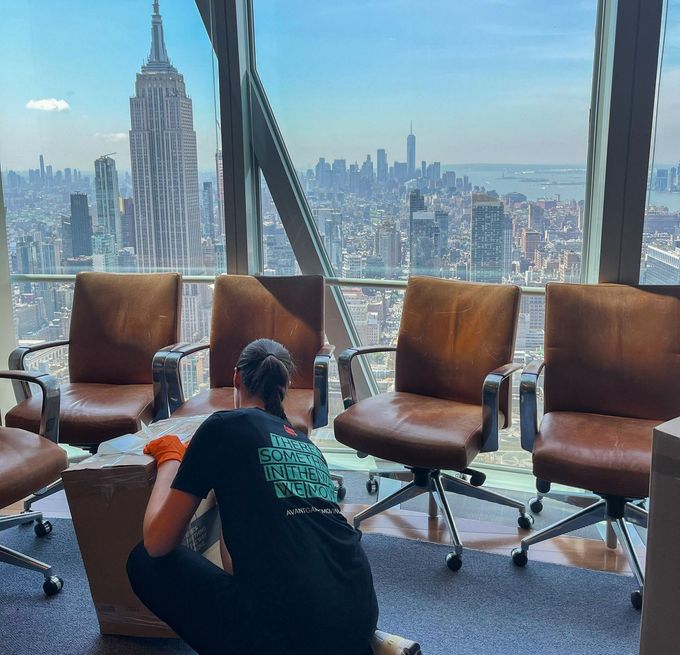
{"x":295,"y":579}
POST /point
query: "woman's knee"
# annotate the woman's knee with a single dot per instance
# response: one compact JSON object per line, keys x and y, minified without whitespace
{"x":138,"y":563}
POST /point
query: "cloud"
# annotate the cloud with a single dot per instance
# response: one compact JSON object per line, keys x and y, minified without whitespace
{"x":112,"y":137}
{"x":48,"y":104}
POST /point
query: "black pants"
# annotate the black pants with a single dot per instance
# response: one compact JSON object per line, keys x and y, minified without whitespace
{"x":193,"y":596}
{"x":197,"y":599}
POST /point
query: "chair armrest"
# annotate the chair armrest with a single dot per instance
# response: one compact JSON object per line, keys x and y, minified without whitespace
{"x":491,"y":390}
{"x":173,"y":379}
{"x":17,"y":362}
{"x":345,"y":370}
{"x":160,"y":388}
{"x":49,"y":414}
{"x":321,"y":362}
{"x":528,"y":409}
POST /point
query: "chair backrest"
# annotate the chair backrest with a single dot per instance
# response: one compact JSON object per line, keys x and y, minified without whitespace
{"x":289,"y":310}
{"x":119,"y":322}
{"x":613,"y":349}
{"x":452,"y":334}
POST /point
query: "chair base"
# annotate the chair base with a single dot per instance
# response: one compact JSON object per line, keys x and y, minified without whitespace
{"x":50,"y":489}
{"x":436,"y":483}
{"x":52,"y":583}
{"x":617,"y":512}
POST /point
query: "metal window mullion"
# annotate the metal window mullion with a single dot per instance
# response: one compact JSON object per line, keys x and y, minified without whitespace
{"x":620,"y":138}
{"x":227,"y":25}
{"x":7,"y":337}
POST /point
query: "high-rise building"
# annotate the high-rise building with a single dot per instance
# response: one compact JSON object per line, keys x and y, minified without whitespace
{"x":486,"y":239}
{"x":81,"y":226}
{"x":208,"y":211}
{"x":536,"y":217}
{"x":425,"y":249}
{"x":339,"y":174}
{"x":382,"y":170}
{"x":442,"y":219}
{"x":127,"y":222}
{"x":107,"y":194}
{"x":388,"y":247}
{"x":329,"y":224}
{"x":42,"y":170}
{"x":662,"y":266}
{"x":411,"y":154}
{"x":529,"y":243}
{"x":416,"y":202}
{"x":219,"y":222}
{"x":164,"y":164}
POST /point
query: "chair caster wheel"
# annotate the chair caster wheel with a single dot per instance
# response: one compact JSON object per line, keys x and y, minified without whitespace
{"x":519,"y":557}
{"x":535,"y":505}
{"x":636,"y":599}
{"x":342,"y":492}
{"x":53,"y":585}
{"x":525,"y":521}
{"x":477,"y":479}
{"x":454,"y":562}
{"x":372,"y":486}
{"x":42,"y":528}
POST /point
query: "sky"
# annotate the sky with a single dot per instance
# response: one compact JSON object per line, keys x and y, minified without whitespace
{"x":484,"y":81}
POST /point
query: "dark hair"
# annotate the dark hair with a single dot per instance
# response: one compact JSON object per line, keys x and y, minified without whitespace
{"x":266,"y":368}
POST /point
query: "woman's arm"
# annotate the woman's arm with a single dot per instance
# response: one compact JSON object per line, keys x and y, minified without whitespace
{"x":168,"y":513}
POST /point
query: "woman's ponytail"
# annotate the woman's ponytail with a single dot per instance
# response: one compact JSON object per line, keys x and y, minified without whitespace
{"x":266,"y":368}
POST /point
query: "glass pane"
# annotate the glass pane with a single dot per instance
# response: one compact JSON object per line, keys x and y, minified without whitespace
{"x":110,"y":154}
{"x":424,"y":138}
{"x":467,"y":175}
{"x":661,"y":238}
{"x":279,"y":258}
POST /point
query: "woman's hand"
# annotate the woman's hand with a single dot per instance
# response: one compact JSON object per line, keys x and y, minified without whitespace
{"x":165,"y":449}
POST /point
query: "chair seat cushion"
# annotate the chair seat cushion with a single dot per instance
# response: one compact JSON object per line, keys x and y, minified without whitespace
{"x":298,"y":405}
{"x":413,"y":430}
{"x":90,"y":413}
{"x":28,"y":462}
{"x":604,"y":454}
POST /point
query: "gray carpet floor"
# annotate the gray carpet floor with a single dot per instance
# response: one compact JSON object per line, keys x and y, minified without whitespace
{"x":489,"y":607}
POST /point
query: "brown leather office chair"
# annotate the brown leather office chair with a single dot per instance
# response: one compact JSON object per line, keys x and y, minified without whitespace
{"x":453,"y":357}
{"x":118,"y":323}
{"x":31,"y":462}
{"x":612,"y":373}
{"x":289,"y":310}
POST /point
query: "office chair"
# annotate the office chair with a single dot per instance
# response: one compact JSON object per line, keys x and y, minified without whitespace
{"x":451,"y":393}
{"x":289,"y":310}
{"x":118,"y":323}
{"x":30,"y":463}
{"x":612,"y":373}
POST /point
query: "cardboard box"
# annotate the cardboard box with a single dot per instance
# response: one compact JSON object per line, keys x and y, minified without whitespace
{"x":660,"y":632}
{"x":107,"y":496}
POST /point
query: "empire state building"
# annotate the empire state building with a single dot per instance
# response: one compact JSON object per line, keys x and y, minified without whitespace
{"x":164,"y":164}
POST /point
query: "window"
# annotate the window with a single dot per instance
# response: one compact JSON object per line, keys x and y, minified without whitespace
{"x":435,"y":151}
{"x":661,"y":238}
{"x":424,"y":138}
{"x":110,"y":153}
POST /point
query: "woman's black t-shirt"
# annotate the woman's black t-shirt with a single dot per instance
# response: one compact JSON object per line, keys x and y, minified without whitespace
{"x":303,"y":579}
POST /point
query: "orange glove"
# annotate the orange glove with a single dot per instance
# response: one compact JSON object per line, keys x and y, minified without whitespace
{"x":166,"y":449}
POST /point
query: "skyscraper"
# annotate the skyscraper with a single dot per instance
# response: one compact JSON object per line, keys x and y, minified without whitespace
{"x":425,"y":248}
{"x":107,"y":194}
{"x":411,"y":154}
{"x":164,"y":164}
{"x":208,"y":211}
{"x":382,"y":170}
{"x":81,"y":226}
{"x":486,"y":239}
